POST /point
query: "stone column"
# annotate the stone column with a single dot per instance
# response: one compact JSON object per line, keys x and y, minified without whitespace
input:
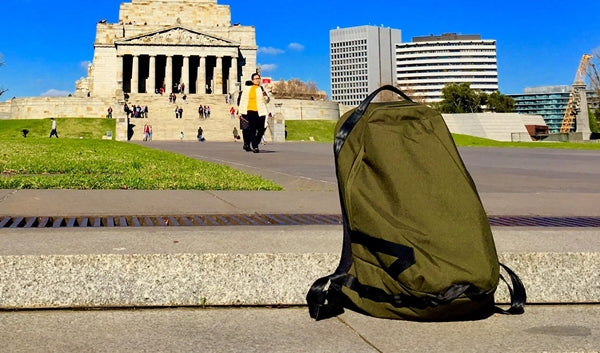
{"x":135,"y":74}
{"x":169,"y":75}
{"x":233,"y":75}
{"x":201,"y":82}
{"x":120,"y":64}
{"x":218,"y":76}
{"x":185,"y":72}
{"x":151,"y":85}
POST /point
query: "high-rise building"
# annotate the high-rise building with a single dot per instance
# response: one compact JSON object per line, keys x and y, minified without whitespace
{"x":425,"y":65}
{"x":361,"y":60}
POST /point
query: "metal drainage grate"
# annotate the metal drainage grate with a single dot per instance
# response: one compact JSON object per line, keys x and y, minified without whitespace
{"x":538,"y":221}
{"x":170,"y":221}
{"x":257,"y":220}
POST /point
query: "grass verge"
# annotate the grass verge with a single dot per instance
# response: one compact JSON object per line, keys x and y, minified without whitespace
{"x":323,"y":131}
{"x":37,"y":162}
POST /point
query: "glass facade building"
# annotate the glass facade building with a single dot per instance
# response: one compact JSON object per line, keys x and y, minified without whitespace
{"x":549,"y":101}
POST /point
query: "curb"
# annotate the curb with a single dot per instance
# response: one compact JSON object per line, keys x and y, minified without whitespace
{"x":240,"y":267}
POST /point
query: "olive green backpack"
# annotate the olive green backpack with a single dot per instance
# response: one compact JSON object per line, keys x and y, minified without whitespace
{"x":417,"y":242}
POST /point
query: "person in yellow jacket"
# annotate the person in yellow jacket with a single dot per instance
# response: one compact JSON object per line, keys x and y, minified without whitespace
{"x":252,"y":111}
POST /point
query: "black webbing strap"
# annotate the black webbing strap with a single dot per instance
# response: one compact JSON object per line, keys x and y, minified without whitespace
{"x":405,"y":255}
{"x":518,"y":295}
{"x":404,"y":300}
{"x":324,"y":298}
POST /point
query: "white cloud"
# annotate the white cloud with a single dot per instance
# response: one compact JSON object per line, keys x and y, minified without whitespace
{"x":296,"y":46}
{"x":84,"y":64}
{"x":267,"y":67}
{"x":55,"y":93}
{"x":270,"y":51}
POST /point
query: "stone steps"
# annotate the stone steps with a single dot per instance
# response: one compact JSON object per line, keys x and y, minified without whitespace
{"x":165,"y":126}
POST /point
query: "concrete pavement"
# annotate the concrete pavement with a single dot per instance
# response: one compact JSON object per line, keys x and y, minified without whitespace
{"x":265,"y":330}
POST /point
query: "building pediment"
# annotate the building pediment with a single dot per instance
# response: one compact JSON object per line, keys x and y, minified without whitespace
{"x":177,"y":36}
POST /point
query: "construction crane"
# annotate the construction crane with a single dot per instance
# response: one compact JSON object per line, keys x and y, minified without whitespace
{"x":574,"y":103}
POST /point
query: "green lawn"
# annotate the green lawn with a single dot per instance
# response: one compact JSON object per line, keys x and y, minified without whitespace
{"x":472,"y":141}
{"x":66,"y":127}
{"x":80,"y":159}
{"x":323,"y":131}
{"x":303,"y":130}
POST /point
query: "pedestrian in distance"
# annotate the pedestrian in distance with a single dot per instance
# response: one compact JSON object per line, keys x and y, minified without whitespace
{"x":53,"y":131}
{"x":252,"y":108}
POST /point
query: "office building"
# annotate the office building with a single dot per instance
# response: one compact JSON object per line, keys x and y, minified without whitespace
{"x":550,"y":102}
{"x":361,"y":60}
{"x":425,"y":65}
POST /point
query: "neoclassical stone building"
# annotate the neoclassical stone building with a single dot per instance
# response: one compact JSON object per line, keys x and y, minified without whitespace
{"x":158,"y":44}
{"x":155,"y":45}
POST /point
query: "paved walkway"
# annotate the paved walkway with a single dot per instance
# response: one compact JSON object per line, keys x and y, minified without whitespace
{"x":510,"y":181}
{"x":265,"y":330}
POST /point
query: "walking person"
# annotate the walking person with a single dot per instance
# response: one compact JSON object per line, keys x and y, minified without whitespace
{"x":53,"y":131}
{"x":252,"y":106}
{"x":146,"y":132}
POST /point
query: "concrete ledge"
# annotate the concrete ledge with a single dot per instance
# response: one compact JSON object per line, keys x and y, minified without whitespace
{"x":241,"y":266}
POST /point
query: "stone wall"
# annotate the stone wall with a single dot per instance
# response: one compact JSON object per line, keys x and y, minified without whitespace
{"x":94,"y":107}
{"x":192,"y":12}
{"x":295,"y":109}
{"x":58,"y":107}
{"x":495,"y":126}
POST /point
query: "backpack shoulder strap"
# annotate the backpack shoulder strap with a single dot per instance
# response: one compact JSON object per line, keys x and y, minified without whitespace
{"x":518,"y":295}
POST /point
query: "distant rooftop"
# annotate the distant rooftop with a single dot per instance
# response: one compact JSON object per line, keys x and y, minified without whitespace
{"x":446,"y":37}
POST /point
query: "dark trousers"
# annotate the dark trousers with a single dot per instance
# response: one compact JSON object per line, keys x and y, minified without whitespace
{"x":246,"y":137}
{"x":53,"y":133}
{"x":256,"y":128}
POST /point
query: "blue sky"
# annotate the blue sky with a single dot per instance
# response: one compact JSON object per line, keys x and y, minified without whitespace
{"x":46,"y":45}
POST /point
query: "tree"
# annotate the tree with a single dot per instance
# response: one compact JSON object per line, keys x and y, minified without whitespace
{"x":413,"y":94}
{"x":296,"y":89}
{"x":460,"y":98}
{"x":593,"y":119}
{"x":500,"y":103}
{"x":2,"y":90}
{"x":389,"y":96}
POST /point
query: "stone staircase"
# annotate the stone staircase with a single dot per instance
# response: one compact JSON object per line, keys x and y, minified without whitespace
{"x":161,"y":116}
